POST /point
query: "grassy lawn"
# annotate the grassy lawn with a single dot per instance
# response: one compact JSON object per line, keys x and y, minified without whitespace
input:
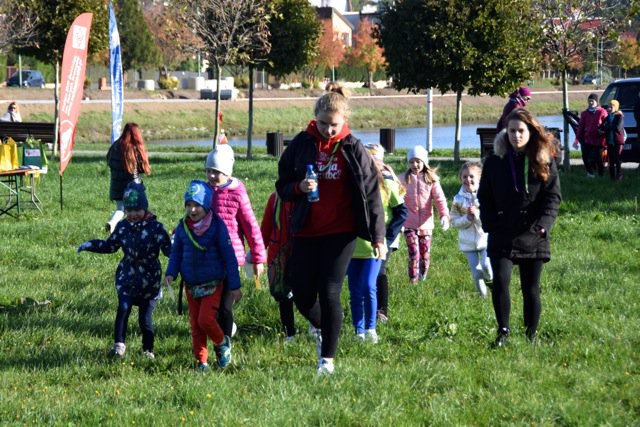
{"x":433,"y":366}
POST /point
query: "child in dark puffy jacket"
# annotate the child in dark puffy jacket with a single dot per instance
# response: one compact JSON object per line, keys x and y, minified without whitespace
{"x":203,"y":255}
{"x":138,"y":277}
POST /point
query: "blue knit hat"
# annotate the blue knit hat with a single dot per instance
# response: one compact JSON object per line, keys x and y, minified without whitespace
{"x":134,"y":197}
{"x":199,"y":192}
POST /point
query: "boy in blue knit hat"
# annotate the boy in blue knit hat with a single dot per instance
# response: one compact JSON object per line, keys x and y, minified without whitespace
{"x":139,"y":274}
{"x":203,"y":255}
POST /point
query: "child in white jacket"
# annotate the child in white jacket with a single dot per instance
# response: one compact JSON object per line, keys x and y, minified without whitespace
{"x":465,"y":216}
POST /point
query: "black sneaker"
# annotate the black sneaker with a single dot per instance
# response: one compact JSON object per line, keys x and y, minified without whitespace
{"x":502,"y":338}
{"x":532,"y":335}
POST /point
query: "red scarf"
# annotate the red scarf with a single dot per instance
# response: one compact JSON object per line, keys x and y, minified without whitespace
{"x":200,"y":227}
{"x":324,"y":144}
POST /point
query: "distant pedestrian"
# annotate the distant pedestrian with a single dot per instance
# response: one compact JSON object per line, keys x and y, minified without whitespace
{"x":12,"y":114}
{"x":138,"y":276}
{"x":589,"y":138}
{"x":519,"y":98}
{"x":423,"y":191}
{"x":613,"y":129}
{"x":519,"y":196}
{"x":465,"y":217}
{"x":128,"y":160}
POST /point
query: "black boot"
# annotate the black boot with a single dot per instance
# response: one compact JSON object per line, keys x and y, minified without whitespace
{"x":502,"y":338}
{"x":532,"y":335}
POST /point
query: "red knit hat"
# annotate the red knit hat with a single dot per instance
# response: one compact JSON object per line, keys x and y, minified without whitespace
{"x":524,"y":91}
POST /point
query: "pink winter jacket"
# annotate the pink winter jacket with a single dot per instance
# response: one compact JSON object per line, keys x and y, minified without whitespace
{"x":231,"y":202}
{"x":419,"y":201}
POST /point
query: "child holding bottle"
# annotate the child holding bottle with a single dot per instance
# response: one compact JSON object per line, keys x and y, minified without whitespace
{"x":465,"y":217}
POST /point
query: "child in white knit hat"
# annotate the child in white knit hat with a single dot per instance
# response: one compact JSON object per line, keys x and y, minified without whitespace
{"x":423,"y":190}
{"x":231,"y":202}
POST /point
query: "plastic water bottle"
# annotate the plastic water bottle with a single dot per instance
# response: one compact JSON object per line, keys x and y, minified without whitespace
{"x":313,"y":196}
{"x":222,"y":138}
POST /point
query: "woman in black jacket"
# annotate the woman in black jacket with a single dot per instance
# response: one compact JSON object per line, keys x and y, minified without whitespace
{"x":127,"y":159}
{"x":324,"y":232}
{"x":519,"y":195}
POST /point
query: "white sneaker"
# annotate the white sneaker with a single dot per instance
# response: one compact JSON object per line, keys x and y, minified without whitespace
{"x":148,"y":354}
{"x":481,"y":287}
{"x":371,"y":335}
{"x":313,"y":331}
{"x":234,"y":329}
{"x":319,"y":343}
{"x":118,"y":349}
{"x":360,"y":336}
{"x":289,"y":339}
{"x":325,"y":366}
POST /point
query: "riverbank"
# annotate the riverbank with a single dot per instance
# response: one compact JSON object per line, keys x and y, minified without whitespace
{"x":180,"y":115}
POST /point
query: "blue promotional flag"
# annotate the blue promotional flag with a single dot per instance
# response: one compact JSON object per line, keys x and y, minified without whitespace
{"x":115,"y":67}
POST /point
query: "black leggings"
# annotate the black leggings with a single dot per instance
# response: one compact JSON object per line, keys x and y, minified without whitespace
{"x":318,"y":266}
{"x":225,"y":312}
{"x":383,"y":287}
{"x":530,"y":272}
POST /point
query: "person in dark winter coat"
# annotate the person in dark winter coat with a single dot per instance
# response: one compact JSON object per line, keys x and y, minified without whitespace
{"x":520,"y":196}
{"x":518,"y":99}
{"x":613,"y":129}
{"x":324,"y":232}
{"x":127,"y":159}
{"x":138,"y":276}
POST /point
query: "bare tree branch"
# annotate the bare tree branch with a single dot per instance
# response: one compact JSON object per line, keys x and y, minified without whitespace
{"x":18,"y":23}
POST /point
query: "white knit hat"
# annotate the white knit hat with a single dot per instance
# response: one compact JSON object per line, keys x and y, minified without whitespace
{"x":221,"y":159}
{"x":420,"y":153}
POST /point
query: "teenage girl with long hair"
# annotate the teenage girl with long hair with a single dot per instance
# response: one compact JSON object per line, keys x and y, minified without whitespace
{"x":127,"y":158}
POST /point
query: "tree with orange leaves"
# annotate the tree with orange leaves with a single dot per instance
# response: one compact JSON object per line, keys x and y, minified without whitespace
{"x":366,"y":52}
{"x":331,"y":49}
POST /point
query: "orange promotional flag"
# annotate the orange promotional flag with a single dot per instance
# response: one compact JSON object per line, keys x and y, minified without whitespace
{"x":74,"y":61}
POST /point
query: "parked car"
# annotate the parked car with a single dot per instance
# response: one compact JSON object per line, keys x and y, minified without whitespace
{"x":590,"y":80}
{"x":30,"y":78}
{"x":626,"y":92}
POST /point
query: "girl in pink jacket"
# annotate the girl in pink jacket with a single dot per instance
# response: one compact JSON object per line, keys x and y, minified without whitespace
{"x":231,"y":202}
{"x":423,"y":190}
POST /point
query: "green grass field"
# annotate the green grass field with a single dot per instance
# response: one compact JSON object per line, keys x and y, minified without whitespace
{"x":433,"y":366}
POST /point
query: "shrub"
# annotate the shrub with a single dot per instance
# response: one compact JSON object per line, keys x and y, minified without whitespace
{"x":169,"y":83}
{"x":241,"y":82}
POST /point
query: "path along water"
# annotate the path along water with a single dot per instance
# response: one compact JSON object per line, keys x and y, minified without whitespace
{"x":442,"y":136}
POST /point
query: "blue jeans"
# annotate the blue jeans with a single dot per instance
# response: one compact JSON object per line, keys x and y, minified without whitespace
{"x":145,"y":319}
{"x":363,"y":276}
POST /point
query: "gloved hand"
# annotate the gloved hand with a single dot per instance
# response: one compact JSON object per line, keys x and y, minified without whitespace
{"x":83,"y":247}
{"x":444,"y":223}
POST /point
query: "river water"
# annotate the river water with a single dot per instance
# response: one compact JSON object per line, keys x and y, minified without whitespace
{"x":442,"y":137}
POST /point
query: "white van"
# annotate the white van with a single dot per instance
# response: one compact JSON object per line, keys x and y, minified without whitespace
{"x":626,"y":92}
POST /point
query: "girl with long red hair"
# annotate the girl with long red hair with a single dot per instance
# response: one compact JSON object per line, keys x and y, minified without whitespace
{"x":127,"y":158}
